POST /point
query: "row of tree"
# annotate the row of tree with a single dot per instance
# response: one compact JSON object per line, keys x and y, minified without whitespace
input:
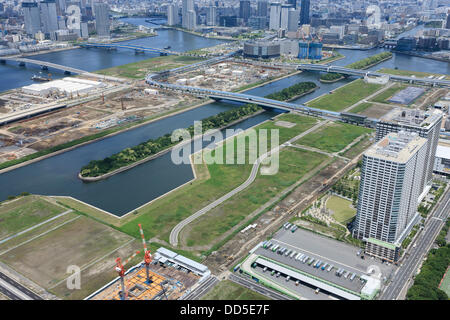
{"x":426,"y":283}
{"x":150,"y":147}
{"x":361,"y":64}
{"x":292,"y":91}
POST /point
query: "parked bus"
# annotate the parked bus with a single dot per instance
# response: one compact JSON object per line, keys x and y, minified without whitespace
{"x":292,"y":254}
{"x":329,"y":268}
{"x":352,"y":277}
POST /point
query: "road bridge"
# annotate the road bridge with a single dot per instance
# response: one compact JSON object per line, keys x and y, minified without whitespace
{"x":363,"y":73}
{"x":131,"y":47}
{"x":42,"y":64}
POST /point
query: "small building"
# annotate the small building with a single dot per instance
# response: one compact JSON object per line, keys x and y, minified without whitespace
{"x":151,"y":91}
{"x":164,"y":255}
{"x":442,"y":160}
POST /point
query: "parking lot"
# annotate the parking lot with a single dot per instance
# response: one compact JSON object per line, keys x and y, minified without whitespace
{"x":305,"y":249}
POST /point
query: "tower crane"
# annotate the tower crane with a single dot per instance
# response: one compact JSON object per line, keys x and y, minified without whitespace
{"x":147,"y":256}
{"x":121,"y":271}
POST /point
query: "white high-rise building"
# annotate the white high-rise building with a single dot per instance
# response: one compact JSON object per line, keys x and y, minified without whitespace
{"x":191,"y":20}
{"x":293,"y":19}
{"x":102,"y":19}
{"x":389,"y":192}
{"x":275,"y":16}
{"x":187,"y":5}
{"x":49,"y":18}
{"x":426,"y":124}
{"x":285,"y":15}
{"x":172,"y":14}
{"x":32,"y":17}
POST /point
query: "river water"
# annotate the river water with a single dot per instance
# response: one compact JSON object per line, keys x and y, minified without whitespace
{"x":125,"y":191}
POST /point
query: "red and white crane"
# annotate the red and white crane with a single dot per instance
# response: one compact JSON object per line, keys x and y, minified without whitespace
{"x":147,"y":256}
{"x":121,"y":270}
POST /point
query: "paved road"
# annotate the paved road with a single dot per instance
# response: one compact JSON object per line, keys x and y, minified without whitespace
{"x":409,"y":266}
{"x":176,"y":230}
{"x":252,"y":285}
{"x":21,"y":293}
{"x":9,"y":294}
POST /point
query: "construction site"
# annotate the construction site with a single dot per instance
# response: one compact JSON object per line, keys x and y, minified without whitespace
{"x":73,"y":116}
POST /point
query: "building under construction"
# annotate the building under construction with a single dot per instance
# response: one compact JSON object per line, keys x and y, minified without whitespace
{"x":166,"y":279}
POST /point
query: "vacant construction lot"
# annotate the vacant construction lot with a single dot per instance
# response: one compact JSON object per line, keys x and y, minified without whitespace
{"x":22,"y":213}
{"x":333,"y":137}
{"x":45,"y":253}
{"x":227,"y":290}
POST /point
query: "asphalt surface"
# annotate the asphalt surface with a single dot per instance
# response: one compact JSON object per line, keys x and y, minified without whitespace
{"x":201,"y":290}
{"x":176,"y":230}
{"x":26,"y":294}
{"x":425,"y":240}
{"x":252,"y":285}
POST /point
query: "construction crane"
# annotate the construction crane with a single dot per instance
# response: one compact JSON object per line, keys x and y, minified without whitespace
{"x":147,"y":256}
{"x":121,"y":270}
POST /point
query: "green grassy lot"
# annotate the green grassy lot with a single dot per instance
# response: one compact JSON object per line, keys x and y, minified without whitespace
{"x":387,"y":94}
{"x":333,"y":137}
{"x":293,"y":164}
{"x":215,"y":180}
{"x":358,"y":147}
{"x":138,"y":70}
{"x":227,"y":290}
{"x":345,"y":96}
{"x":342,"y":210}
{"x":410,"y":73}
{"x":25,"y":212}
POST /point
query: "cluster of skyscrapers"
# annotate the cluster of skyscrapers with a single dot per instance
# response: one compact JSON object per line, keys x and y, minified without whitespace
{"x":51,"y":17}
{"x":396,"y":173}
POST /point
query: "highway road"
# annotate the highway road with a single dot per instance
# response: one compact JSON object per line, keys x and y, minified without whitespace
{"x":174,"y":234}
{"x":252,"y":285}
{"x":201,"y":290}
{"x":15,"y":289}
{"x":425,"y":240}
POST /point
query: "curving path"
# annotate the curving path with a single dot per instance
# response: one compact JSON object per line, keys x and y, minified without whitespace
{"x":174,"y":234}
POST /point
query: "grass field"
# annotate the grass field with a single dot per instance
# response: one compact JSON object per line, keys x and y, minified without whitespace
{"x":358,"y":147}
{"x":345,"y":96}
{"x":387,"y":94}
{"x":361,"y":107}
{"x":411,"y":73}
{"x":159,"y":217}
{"x":333,"y":137}
{"x":445,"y":285}
{"x":293,"y":164}
{"x":138,"y":70}
{"x":227,"y":290}
{"x":20,"y":214}
{"x":342,"y":210}
{"x":81,"y":241}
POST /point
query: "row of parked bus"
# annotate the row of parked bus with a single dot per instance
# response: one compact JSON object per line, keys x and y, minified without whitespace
{"x":290,"y":226}
{"x":303,"y":258}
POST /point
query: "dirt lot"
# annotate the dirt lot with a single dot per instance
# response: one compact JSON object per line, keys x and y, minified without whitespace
{"x":79,"y":242}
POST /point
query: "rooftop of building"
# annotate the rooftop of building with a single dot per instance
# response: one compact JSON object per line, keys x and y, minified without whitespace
{"x":412,"y":117}
{"x":396,"y":146}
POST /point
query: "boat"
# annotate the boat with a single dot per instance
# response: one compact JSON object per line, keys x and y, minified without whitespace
{"x":41,"y":78}
{"x":167,"y":48}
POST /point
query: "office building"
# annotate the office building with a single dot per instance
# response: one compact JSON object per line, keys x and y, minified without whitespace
{"x":261,"y":10}
{"x":304,"y":12}
{"x":187,"y":5}
{"x":101,"y":19}
{"x":425,"y":124}
{"x":261,"y":49}
{"x":49,"y":18}
{"x":211,"y":17}
{"x":244,"y":10}
{"x":389,"y":191}
{"x":310,"y":50}
{"x":275,"y":16}
{"x":32,"y":17}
